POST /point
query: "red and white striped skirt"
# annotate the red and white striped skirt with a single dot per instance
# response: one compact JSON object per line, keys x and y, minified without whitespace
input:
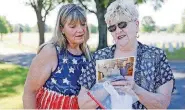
{"x":46,"y":99}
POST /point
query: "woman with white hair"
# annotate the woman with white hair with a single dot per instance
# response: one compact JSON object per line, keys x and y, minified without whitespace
{"x":52,"y":78}
{"x":153,"y":79}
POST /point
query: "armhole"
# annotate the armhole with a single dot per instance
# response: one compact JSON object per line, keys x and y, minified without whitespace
{"x":57,"y":53}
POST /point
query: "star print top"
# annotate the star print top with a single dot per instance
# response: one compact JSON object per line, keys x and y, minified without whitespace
{"x":64,"y":79}
{"x":152,"y":69}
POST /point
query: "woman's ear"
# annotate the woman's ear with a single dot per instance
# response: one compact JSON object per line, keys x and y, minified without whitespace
{"x":137,"y":26}
{"x":137,"y":23}
{"x":61,"y":28}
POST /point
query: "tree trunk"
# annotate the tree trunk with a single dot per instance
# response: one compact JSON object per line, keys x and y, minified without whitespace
{"x":41,"y":28}
{"x":102,"y":27}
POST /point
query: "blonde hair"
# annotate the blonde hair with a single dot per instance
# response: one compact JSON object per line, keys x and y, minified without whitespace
{"x":73,"y":13}
{"x":118,"y":8}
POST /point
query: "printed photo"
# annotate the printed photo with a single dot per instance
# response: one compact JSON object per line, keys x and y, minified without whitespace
{"x":114,"y":69}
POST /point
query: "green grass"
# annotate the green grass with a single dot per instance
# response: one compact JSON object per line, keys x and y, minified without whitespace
{"x":12,"y":78}
{"x":176,"y":55}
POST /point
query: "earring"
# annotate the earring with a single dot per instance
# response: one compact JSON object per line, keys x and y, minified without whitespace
{"x":63,"y":34}
{"x":137,"y":36}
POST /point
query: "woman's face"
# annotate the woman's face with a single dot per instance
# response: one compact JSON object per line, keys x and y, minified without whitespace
{"x":75,"y":32}
{"x":124,"y":33}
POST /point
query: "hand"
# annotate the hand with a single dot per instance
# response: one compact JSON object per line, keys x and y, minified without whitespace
{"x":127,"y":83}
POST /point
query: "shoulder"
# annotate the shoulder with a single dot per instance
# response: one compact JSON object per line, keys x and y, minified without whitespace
{"x":152,"y":51}
{"x":47,"y":55}
{"x":48,"y":49}
{"x":104,"y":53}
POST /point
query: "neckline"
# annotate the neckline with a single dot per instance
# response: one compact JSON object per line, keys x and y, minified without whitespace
{"x":68,"y":52}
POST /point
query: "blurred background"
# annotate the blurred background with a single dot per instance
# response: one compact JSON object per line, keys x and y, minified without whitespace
{"x":25,"y":24}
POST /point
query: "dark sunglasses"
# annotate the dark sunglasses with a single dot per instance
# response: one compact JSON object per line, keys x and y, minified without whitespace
{"x":121,"y":25}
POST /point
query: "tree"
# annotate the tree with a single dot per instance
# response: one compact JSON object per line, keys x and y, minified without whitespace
{"x":171,"y":28}
{"x":178,"y":28}
{"x":27,"y":28}
{"x":148,"y":24}
{"x":101,"y":6}
{"x":42,"y":9}
{"x":4,"y":26}
{"x":183,"y":22}
{"x":93,"y":28}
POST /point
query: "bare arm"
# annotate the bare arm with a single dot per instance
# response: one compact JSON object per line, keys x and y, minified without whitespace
{"x":86,"y":102}
{"x":42,"y":66}
{"x":159,"y":100}
{"x":150,"y":100}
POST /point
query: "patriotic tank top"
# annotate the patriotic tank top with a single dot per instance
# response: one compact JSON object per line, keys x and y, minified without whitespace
{"x":61,"y":88}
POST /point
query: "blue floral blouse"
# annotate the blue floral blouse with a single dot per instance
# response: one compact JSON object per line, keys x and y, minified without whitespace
{"x":151,"y":71}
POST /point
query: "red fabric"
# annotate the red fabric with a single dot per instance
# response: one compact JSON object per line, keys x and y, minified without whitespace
{"x":46,"y":99}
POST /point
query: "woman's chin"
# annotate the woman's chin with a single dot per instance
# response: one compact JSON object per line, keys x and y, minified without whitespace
{"x":80,"y":41}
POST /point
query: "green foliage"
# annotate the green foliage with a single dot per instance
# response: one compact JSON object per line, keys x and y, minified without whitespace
{"x":27,"y":28}
{"x":4,"y":26}
{"x":93,"y":28}
{"x":148,"y":24}
{"x":171,"y":28}
{"x":178,"y":28}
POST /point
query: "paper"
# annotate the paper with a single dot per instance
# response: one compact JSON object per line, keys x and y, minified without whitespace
{"x":104,"y":93}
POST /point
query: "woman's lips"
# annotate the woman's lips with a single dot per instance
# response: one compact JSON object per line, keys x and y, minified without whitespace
{"x":79,"y":35}
{"x":120,"y":37}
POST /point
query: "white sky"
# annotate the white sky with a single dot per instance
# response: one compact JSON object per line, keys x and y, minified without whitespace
{"x":17,"y":12}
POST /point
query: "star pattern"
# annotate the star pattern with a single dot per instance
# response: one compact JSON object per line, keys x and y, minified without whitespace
{"x":53,"y":81}
{"x":71,"y":70}
{"x":63,"y":80}
{"x":66,"y":81}
{"x":59,"y":70}
{"x":74,"y":61}
{"x":84,"y":59}
{"x":83,"y":70}
{"x":65,"y":60}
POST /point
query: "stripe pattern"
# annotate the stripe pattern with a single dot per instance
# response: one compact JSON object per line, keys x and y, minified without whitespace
{"x":47,"y":99}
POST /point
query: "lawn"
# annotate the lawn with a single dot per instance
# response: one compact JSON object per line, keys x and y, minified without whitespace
{"x":11,"y":85}
{"x":176,"y":55}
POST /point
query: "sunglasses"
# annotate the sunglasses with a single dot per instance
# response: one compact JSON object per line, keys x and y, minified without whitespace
{"x":121,"y":25}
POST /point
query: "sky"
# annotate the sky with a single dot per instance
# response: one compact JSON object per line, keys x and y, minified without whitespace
{"x":17,"y":12}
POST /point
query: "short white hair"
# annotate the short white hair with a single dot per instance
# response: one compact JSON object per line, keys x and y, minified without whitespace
{"x":125,"y":8}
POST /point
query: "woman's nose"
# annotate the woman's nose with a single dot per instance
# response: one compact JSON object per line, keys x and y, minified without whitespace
{"x":80,"y":28}
{"x":118,"y":30}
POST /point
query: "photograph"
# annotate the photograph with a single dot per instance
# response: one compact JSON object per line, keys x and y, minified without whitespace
{"x":114,"y":69}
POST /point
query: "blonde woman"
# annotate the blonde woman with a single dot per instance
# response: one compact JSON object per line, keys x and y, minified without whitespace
{"x":153,"y":78}
{"x":52,"y":78}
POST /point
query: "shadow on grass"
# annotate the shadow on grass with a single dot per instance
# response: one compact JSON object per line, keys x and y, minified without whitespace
{"x":19,"y":59}
{"x":12,"y":79}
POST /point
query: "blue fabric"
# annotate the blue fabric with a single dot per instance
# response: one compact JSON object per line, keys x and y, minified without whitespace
{"x":151,"y":71}
{"x":64,"y":79}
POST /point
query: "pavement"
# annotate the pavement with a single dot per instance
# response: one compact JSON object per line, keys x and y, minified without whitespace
{"x":24,"y":58}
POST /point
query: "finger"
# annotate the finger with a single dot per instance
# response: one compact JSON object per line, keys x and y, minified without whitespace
{"x":120,"y":83}
{"x":129,"y":78}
